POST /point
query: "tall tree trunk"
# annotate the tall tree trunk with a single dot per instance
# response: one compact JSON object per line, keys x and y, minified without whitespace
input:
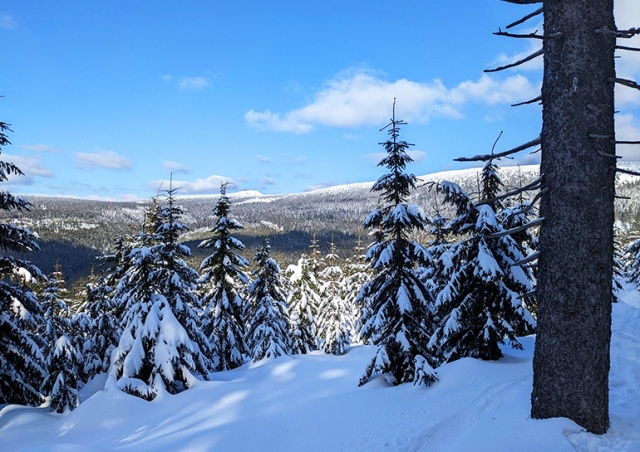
{"x":571,"y":360}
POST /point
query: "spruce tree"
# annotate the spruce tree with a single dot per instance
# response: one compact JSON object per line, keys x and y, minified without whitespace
{"x":399,"y":317}
{"x":221,"y":286}
{"x":480,"y":306}
{"x":334,"y":314}
{"x":22,"y":366}
{"x":63,"y":375}
{"x":161,"y":347}
{"x":303,"y":302}
{"x":357,"y":274}
{"x":268,"y":326}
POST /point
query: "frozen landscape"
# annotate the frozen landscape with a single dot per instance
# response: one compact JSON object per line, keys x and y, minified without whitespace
{"x":313,"y":403}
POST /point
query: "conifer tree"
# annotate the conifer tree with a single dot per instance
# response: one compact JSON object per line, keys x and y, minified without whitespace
{"x":357,"y":274}
{"x":399,"y":306}
{"x":63,"y":375}
{"x":303,"y":302}
{"x":161,"y":347}
{"x":334,"y":314}
{"x":268,"y":327}
{"x":221,"y":286}
{"x":481,"y":304}
{"x":21,"y":360}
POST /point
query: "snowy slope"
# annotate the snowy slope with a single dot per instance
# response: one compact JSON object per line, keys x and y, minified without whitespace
{"x":313,"y":403}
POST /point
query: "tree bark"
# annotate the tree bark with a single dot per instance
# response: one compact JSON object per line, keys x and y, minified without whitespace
{"x":571,"y":359}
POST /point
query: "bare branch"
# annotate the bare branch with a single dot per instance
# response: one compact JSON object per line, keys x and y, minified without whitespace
{"x":517,"y":63}
{"x":524,"y":227}
{"x":523,"y":2}
{"x":525,"y":18}
{"x":633,"y":49}
{"x":632,"y":173}
{"x":625,"y":82}
{"x":533,"y":35}
{"x":613,"y":156}
{"x":630,"y":33}
{"x":627,"y":142}
{"x":485,"y":158}
{"x":532,"y":101}
{"x":597,"y":136}
{"x":526,"y":260}
{"x":531,"y":186}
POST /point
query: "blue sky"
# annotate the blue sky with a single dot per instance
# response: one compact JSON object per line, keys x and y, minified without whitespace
{"x":107,"y":99}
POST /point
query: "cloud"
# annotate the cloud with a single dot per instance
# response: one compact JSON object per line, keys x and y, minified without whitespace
{"x":31,"y":167}
{"x":210,"y":184}
{"x":103,"y":159}
{"x":193,"y":83}
{"x":175,"y":167}
{"x":263,"y":158}
{"x":537,"y":64}
{"x":7,"y":22}
{"x":39,"y":148}
{"x":361,"y":98}
{"x":265,"y":182}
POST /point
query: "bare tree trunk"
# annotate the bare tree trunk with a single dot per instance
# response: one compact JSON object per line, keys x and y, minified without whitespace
{"x":571,"y":360}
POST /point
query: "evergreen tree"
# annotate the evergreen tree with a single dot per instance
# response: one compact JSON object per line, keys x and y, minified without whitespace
{"x":161,"y":347}
{"x":268,"y":326}
{"x":481,"y":303}
{"x":221,"y":286}
{"x":334,"y":314}
{"x":356,"y":276}
{"x":61,"y":383}
{"x":399,"y":306}
{"x":21,"y":360}
{"x":303,"y":302}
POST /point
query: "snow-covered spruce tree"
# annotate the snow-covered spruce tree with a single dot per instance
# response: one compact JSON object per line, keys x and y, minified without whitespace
{"x":334,"y":314}
{"x":357,"y":274}
{"x":161,"y":347}
{"x":221,"y":286}
{"x":21,"y":359}
{"x":399,"y":312}
{"x":268,"y":326}
{"x":481,"y":303}
{"x":303,"y":301}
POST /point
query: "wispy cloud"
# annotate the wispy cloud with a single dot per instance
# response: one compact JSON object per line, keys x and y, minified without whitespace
{"x":210,"y":184}
{"x":31,"y":167}
{"x":263,"y":158}
{"x":175,"y":167}
{"x":267,"y":181}
{"x":7,"y":22}
{"x":102,"y":159}
{"x":39,"y":148}
{"x":193,"y":83}
{"x":362,"y":98}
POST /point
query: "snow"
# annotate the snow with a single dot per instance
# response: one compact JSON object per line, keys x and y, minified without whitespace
{"x":313,"y":403}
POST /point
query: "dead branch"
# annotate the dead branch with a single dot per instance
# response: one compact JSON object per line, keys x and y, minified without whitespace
{"x":485,"y":158}
{"x":625,"y":82}
{"x":597,"y":136}
{"x":532,"y":101}
{"x":633,"y":49}
{"x":533,"y":35}
{"x":632,"y":173}
{"x":517,"y":63}
{"x":535,"y":185}
{"x":523,"y":2}
{"x":626,"y":34}
{"x":525,"y":18}
{"x":627,"y":142}
{"x":524,"y":227}
{"x":526,"y":260}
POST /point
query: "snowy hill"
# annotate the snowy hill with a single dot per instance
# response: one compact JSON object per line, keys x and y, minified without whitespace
{"x":313,"y":403}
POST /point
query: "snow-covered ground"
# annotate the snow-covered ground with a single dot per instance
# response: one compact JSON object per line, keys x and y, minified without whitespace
{"x":313,"y":403}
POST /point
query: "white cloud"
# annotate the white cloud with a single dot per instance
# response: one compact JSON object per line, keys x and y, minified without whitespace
{"x":210,"y":184}
{"x":534,"y":45}
{"x":39,"y":148}
{"x":103,"y":159}
{"x":263,"y":158}
{"x":31,"y":167}
{"x":193,"y":83}
{"x":266,"y":181}
{"x":7,"y":22}
{"x":175,"y":167}
{"x":361,"y":98}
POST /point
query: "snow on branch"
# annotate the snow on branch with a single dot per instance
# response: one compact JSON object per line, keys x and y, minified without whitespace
{"x":525,"y":18}
{"x":487,"y":157}
{"x":517,"y":63}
